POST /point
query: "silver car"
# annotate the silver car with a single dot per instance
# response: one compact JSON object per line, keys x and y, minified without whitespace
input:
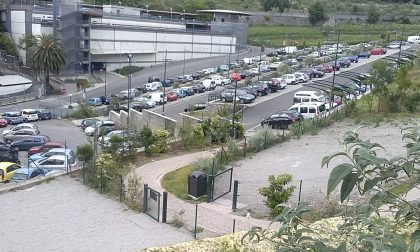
{"x":19,"y":135}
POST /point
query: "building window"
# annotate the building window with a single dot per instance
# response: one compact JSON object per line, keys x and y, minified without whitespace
{"x":223,"y":20}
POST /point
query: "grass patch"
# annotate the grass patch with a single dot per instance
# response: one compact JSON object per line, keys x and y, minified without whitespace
{"x":176,"y":182}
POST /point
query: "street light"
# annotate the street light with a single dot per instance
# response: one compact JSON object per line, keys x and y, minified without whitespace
{"x":236,"y":77}
{"x":184,"y":14}
{"x":164,"y":82}
{"x":171,"y":13}
{"x":147,"y":8}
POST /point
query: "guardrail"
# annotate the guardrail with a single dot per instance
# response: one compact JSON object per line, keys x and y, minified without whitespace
{"x":18,"y":99}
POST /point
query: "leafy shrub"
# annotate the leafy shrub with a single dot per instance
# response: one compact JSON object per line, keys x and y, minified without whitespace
{"x":84,"y":152}
{"x":277,"y":193}
{"x":261,"y":140}
{"x":82,"y":84}
{"x":146,"y":136}
{"x":84,"y":110}
{"x":127,"y":70}
{"x":160,"y":141}
{"x":134,"y":195}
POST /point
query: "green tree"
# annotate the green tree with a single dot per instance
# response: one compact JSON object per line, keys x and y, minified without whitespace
{"x":373,"y":15}
{"x":7,"y":44}
{"x":47,"y":57}
{"x":380,"y":76}
{"x":317,"y":13}
{"x":84,"y":153}
{"x":278,"y":192}
{"x":27,"y":41}
{"x":191,"y":6}
{"x":281,"y":5}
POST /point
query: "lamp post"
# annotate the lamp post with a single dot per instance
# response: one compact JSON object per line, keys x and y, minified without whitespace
{"x":259,"y":64}
{"x":183,"y":67}
{"x":399,"y":53}
{"x":171,"y":13}
{"x":333,"y":80}
{"x":164,"y":82}
{"x":105,"y":75}
{"x":130,"y":57}
{"x":236,"y":77}
{"x":147,"y":8}
{"x":184,"y":15}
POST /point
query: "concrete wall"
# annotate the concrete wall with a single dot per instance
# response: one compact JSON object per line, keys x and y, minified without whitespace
{"x":138,"y":120}
{"x":18,"y":28}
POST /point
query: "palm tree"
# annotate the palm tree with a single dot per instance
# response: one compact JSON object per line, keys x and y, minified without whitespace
{"x":47,"y":57}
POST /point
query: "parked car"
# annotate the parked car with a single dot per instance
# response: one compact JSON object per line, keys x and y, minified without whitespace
{"x":55,"y":151}
{"x":58,"y":162}
{"x":19,"y":135}
{"x":167,"y":82}
{"x":224,"y":67}
{"x":138,"y":106}
{"x":220,"y":80}
{"x":209,"y":84}
{"x":196,"y":76}
{"x":334,"y":66}
{"x":282,"y":119}
{"x":241,"y":96}
{"x":353,"y":58}
{"x":158,"y":97}
{"x":19,"y":127}
{"x":301,"y":77}
{"x":7,"y":170}
{"x":181,"y":93}
{"x":328,"y":68}
{"x":45,"y":147}
{"x":44,"y":114}
{"x":153,"y":79}
{"x":188,"y":90}
{"x":272,"y":54}
{"x":153,"y":86}
{"x":251,"y":91}
{"x":377,"y":51}
{"x":196,"y":106}
{"x":312,"y":72}
{"x":290,"y":79}
{"x":3,"y":122}
{"x":106,"y":100}
{"x":363,"y":55}
{"x":344,"y":62}
{"x":103,"y":127}
{"x":300,"y":58}
{"x":13,"y":118}
{"x":309,"y":109}
{"x":29,"y":142}
{"x":244,"y":74}
{"x":29,"y":115}
{"x":199,"y":88}
{"x":105,"y":139}
{"x":27,"y":173}
{"x":149,"y":103}
{"x":8,"y":154}
{"x":262,"y":89}
{"x":171,"y":96}
{"x":273,"y":86}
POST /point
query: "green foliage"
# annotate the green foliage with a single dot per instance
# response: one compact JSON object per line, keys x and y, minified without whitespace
{"x":280,"y":5}
{"x":134,"y":195}
{"x":190,"y":6}
{"x":85,"y":153}
{"x":317,"y":13}
{"x":217,"y":130}
{"x":373,"y":15}
{"x":261,"y":140}
{"x":160,"y":141}
{"x":384,"y":180}
{"x":277,"y":193}
{"x":147,"y":139}
{"x":192,"y":137}
{"x":82,"y":84}
{"x":404,"y":93}
{"x":84,"y":110}
{"x":7,"y":44}
{"x":127,"y":70}
{"x":380,"y":76}
{"x":27,"y":41}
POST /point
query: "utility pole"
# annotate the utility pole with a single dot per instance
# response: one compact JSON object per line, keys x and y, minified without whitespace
{"x":234,"y":110}
{"x":105,"y":73}
{"x":164,"y":82}
{"x":259,"y":64}
{"x":399,"y":53}
{"x":129,"y":56}
{"x":183,"y":68}
{"x":333,"y":80}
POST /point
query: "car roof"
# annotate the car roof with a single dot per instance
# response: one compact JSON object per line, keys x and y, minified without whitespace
{"x":26,"y":170}
{"x":4,"y":165}
{"x":59,"y":149}
{"x":59,"y":157}
{"x":53,"y":143}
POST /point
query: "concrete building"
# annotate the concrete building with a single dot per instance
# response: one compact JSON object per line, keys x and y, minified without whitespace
{"x":101,"y":37}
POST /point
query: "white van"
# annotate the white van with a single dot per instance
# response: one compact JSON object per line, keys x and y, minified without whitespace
{"x":308,"y":96}
{"x":47,"y":18}
{"x":208,"y":84}
{"x":29,"y":115}
{"x":157,"y":97}
{"x":220,"y":80}
{"x":290,"y":79}
{"x":309,"y":109}
{"x":290,"y":49}
{"x":413,"y":39}
{"x":153,"y":86}
{"x":248,"y":61}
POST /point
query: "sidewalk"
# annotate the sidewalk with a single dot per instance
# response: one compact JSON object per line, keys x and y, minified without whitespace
{"x":215,"y":218}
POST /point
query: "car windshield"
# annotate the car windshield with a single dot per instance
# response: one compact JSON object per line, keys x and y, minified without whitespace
{"x":20,"y":176}
{"x":241,"y":92}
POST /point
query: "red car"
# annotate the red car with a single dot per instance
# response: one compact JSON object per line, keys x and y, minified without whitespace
{"x":327,"y":68}
{"x":172,"y":96}
{"x":377,"y":51}
{"x":3,"y":122}
{"x":45,"y":147}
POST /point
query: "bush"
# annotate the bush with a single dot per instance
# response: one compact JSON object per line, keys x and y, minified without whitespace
{"x":146,"y":136}
{"x":261,"y":140}
{"x":160,"y":141}
{"x":84,"y":110}
{"x":82,"y":84}
{"x":277,"y":193}
{"x":127,"y":70}
{"x":192,"y":137}
{"x":134,"y":195}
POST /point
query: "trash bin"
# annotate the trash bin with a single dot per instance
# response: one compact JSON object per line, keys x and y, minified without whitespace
{"x":197,"y":184}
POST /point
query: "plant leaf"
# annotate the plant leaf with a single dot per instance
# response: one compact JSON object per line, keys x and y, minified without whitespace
{"x":338,"y":174}
{"x":320,"y":247}
{"x":400,"y":189}
{"x":370,"y":183}
{"x":326,"y":160}
{"x":347,"y":186}
{"x":341,"y":248}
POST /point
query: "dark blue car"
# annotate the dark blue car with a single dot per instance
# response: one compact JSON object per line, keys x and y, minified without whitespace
{"x":44,"y":114}
{"x":167,"y":83}
{"x":13,"y":117}
{"x":106,"y":100}
{"x":29,"y":142}
{"x":353,"y":58}
{"x":364,"y":55}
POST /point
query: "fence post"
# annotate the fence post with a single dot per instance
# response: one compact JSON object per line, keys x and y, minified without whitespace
{"x":300,"y":190}
{"x":245,"y":146}
{"x":83,"y":172}
{"x":121,"y":188}
{"x":234,"y":224}
{"x":282,"y":137}
{"x":165,"y":207}
{"x":195,"y":222}
{"x":209,"y":186}
{"x":235,"y":194}
{"x":145,"y":189}
{"x":101,"y":182}
{"x":265,"y":139}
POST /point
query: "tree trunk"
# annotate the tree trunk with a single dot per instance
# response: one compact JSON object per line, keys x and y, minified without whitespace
{"x":47,"y":83}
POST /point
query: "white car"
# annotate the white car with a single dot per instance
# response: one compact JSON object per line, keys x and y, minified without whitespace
{"x":19,"y":127}
{"x":280,"y":82}
{"x":290,"y":79}
{"x":301,"y":77}
{"x":57,"y":162}
{"x":394,"y":46}
{"x":150,"y":103}
{"x":153,"y":86}
{"x":91,"y":129}
{"x":105,"y":140}
{"x":254,"y":71}
{"x":220,"y":80}
{"x":275,"y":65}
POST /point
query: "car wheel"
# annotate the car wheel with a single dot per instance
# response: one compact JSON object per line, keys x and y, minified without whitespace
{"x":16,"y":148}
{"x":9,"y":141}
{"x":223,"y":84}
{"x":25,"y":120}
{"x":259,"y":94}
{"x":241,"y":101}
{"x":223,"y":99}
